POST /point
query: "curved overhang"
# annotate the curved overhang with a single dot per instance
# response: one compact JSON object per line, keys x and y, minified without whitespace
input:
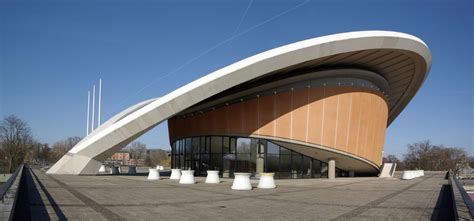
{"x":403,"y":60}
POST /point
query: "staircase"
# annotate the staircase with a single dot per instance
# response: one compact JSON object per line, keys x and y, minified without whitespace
{"x":388,"y":169}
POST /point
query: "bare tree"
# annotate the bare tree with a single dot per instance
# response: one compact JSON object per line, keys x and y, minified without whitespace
{"x":63,"y":146}
{"x":471,"y":161}
{"x":424,"y":155}
{"x":15,"y":140}
{"x":137,"y":151}
{"x":390,"y":159}
{"x":40,"y":154}
{"x":394,"y":159}
{"x":158,"y":157}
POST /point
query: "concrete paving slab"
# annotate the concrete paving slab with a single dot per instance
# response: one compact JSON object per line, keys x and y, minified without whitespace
{"x":122,"y":197}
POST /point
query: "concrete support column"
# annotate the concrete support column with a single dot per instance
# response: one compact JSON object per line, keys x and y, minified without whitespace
{"x":331,"y":168}
{"x":260,"y":158}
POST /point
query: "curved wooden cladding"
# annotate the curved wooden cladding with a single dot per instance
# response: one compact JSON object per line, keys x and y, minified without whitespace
{"x":348,"y":119}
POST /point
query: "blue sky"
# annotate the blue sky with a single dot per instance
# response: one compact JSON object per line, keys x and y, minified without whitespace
{"x":52,"y":52}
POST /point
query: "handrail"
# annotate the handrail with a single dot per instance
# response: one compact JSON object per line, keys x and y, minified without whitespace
{"x":392,"y":169}
{"x":462,"y":202}
{"x":6,"y":186}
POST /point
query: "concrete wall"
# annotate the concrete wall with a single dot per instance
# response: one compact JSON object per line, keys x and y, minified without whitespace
{"x":348,"y":119}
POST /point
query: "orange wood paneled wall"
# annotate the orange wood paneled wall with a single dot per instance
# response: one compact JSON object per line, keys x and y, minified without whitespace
{"x":348,"y":119}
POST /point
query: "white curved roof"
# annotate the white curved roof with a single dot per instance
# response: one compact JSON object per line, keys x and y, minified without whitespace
{"x":413,"y":53}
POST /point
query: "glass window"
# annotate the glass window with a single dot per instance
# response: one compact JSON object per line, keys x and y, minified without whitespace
{"x":236,"y":154}
{"x":195,"y":147}
{"x":271,"y":163}
{"x":195,"y":144}
{"x":203,"y":147}
{"x":188,"y":151}
{"x":233,"y":142}
{"x":243,"y":163}
{"x":296,"y":171}
{"x":324,"y":170}
{"x":202,"y":144}
{"x":243,"y":145}
{"x":272,"y":148}
{"x":216,"y":162}
{"x":188,"y":146}
{"x":208,"y":143}
{"x":225,"y":144}
{"x":316,"y":168}
{"x":253,"y":149}
{"x":228,"y":165}
{"x":285,"y":163}
{"x":285,"y":151}
{"x":307,"y":167}
{"x":296,"y":159}
{"x":216,"y":145}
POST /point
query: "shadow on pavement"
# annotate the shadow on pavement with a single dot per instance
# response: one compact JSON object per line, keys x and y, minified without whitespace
{"x":30,"y":205}
{"x":444,"y":205}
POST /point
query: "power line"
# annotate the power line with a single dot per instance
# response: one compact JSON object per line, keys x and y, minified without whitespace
{"x":243,"y":18}
{"x":213,"y":48}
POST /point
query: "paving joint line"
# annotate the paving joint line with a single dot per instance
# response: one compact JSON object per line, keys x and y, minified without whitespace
{"x":375,"y":203}
{"x":108,"y":214}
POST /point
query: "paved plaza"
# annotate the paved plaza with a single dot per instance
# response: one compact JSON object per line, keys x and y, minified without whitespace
{"x":107,"y":197}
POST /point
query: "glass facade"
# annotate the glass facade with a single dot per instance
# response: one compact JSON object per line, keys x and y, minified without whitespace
{"x":242,"y":154}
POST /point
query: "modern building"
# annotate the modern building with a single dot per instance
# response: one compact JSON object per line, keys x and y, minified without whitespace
{"x":120,"y":156}
{"x":314,"y":108}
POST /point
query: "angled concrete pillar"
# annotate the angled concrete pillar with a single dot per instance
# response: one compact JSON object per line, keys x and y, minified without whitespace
{"x":331,"y":168}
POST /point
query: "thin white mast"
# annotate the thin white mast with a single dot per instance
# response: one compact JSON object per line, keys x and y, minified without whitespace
{"x":93,"y":106}
{"x":100,"y":101}
{"x":88,"y":109}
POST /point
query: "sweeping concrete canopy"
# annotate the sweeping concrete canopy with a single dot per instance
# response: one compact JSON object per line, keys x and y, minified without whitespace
{"x":401,"y":62}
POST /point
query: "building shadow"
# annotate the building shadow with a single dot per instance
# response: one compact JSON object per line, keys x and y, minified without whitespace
{"x":30,"y":205}
{"x":444,"y":205}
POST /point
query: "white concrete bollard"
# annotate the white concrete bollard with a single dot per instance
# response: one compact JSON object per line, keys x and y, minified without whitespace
{"x":266,"y":181}
{"x":213,"y":176}
{"x":132,"y":169}
{"x":241,"y":181}
{"x":175,"y":174}
{"x":153,"y":174}
{"x":187,"y":177}
{"x":119,"y":168}
{"x":114,"y":170}
{"x":102,"y":169}
{"x":407,"y":175}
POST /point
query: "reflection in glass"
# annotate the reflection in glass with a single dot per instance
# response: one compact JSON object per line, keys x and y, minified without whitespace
{"x":271,"y":163}
{"x":216,"y":162}
{"x":216,"y":145}
{"x":238,"y":154}
{"x":296,"y":171}
{"x":306,"y":167}
{"x":272,"y":148}
{"x":243,"y":145}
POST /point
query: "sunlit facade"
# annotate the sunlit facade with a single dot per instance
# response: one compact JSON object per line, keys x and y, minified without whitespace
{"x":324,"y":102}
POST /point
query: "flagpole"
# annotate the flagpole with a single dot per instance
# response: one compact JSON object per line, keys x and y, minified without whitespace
{"x":93,"y":106}
{"x":88,"y":109}
{"x":100,"y":101}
